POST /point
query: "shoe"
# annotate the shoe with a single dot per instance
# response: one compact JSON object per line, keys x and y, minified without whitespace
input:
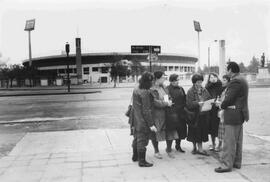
{"x":218,"y":149}
{"x":222,"y":170}
{"x":202,"y":153}
{"x":170,"y":155}
{"x":158,"y":155}
{"x":212,"y":148}
{"x":236,"y":166}
{"x":194,"y":151}
{"x":180,"y":150}
{"x":142,"y":162}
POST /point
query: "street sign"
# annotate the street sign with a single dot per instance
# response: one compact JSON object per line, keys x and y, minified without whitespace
{"x":145,"y":49}
{"x":197,"y":26}
{"x":30,"y":25}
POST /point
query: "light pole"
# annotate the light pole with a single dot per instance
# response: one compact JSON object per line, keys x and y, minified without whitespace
{"x":29,"y":26}
{"x":198,"y":29}
{"x":67,"y":51}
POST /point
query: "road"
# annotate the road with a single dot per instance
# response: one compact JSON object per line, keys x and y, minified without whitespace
{"x":106,"y":109}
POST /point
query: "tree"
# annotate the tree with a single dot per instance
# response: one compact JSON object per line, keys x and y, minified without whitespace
{"x":118,"y":68}
{"x":253,"y":65}
{"x":242,"y":68}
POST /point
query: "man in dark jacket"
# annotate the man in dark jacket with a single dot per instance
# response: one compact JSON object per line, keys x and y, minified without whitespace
{"x":236,"y":112}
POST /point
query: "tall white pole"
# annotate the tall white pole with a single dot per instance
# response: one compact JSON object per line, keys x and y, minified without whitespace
{"x":30,"y":52}
{"x":221,"y":57}
{"x":199,"y":61}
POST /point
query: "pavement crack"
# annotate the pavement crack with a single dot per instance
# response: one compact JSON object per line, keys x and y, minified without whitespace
{"x":108,"y":138}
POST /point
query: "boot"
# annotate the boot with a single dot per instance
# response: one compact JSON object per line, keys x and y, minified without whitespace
{"x":142,"y":161}
{"x":135,"y":155}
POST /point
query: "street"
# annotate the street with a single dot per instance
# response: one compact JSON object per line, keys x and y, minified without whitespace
{"x":104,"y":110}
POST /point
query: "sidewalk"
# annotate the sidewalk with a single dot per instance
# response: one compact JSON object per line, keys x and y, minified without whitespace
{"x":105,"y":155}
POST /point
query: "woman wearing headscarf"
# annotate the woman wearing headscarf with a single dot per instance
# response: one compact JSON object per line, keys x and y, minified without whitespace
{"x":160,"y":102}
{"x":214,"y":87}
{"x":176,"y":113}
{"x":142,"y":120}
{"x":198,"y":129}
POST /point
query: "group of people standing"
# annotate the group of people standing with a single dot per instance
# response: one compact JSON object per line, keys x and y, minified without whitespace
{"x":168,"y":114}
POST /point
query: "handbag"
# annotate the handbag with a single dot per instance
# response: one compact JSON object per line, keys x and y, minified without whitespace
{"x":129,"y":109}
{"x":190,"y":116}
{"x":128,"y":112}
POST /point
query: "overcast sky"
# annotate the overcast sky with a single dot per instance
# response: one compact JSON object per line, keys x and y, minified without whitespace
{"x":115,"y":25}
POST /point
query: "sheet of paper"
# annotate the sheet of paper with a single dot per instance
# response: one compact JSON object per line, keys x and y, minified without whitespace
{"x":207,"y":105}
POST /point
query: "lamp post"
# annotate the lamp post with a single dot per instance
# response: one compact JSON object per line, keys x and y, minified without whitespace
{"x":198,"y":29}
{"x":67,"y":51}
{"x":29,"y":26}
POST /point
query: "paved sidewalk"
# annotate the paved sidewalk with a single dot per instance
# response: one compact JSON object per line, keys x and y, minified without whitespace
{"x":103,"y":155}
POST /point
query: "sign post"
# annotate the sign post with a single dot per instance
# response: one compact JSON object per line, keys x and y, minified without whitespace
{"x":29,"y":26}
{"x":150,"y":49}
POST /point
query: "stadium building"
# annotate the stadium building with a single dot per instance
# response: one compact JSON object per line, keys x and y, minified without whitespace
{"x":95,"y":67}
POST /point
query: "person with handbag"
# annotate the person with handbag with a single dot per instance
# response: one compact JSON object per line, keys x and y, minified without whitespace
{"x":175,"y":115}
{"x":198,"y":128}
{"x":160,"y":102}
{"x":142,"y":120}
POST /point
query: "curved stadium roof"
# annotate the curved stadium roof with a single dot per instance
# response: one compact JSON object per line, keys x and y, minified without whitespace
{"x":94,"y":58}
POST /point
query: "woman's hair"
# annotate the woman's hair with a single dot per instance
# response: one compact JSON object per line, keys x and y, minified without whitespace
{"x":208,"y":80}
{"x":196,"y":77}
{"x":158,"y":74}
{"x":173,"y":77}
{"x":227,"y":77}
{"x":145,"y":81}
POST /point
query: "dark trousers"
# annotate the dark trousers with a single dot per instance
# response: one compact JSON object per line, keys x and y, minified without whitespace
{"x":232,"y":148}
{"x":140,"y":141}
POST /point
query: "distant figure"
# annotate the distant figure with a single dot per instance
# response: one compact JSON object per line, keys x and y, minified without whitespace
{"x":262,"y":60}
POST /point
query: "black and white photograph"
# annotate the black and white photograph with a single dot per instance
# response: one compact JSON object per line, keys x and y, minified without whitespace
{"x":134,"y":90}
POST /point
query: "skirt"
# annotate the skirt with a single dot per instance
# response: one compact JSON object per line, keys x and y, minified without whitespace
{"x":166,"y":135}
{"x":199,"y":133}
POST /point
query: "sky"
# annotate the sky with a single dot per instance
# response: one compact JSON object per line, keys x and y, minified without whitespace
{"x":115,"y":25}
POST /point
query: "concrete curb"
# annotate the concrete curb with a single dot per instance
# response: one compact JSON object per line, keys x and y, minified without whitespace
{"x":54,"y":93}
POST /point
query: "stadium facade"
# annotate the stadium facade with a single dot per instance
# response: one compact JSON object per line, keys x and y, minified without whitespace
{"x":95,"y":67}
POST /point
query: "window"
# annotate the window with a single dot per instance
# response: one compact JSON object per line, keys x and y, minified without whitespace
{"x":86,"y":70}
{"x":104,"y":69}
{"x":61,"y":71}
{"x":170,"y":68}
{"x":176,"y":68}
{"x":181,"y":68}
{"x":185,"y":69}
{"x":95,"y":69}
{"x":165,"y":68}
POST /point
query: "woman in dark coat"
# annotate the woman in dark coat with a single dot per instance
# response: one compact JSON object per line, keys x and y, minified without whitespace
{"x":176,"y":113}
{"x":142,"y":120}
{"x":198,"y":129}
{"x":214,"y":87}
